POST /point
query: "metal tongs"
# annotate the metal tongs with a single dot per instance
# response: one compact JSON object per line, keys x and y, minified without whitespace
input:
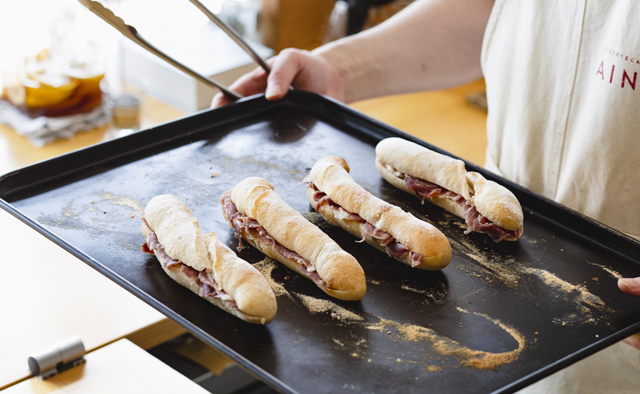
{"x":130,"y":32}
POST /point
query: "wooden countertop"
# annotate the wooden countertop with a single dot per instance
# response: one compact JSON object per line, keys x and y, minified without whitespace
{"x":49,"y":295}
{"x":121,"y":367}
{"x":442,"y":118}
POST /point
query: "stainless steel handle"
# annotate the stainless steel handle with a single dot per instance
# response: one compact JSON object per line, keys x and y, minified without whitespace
{"x":233,"y":34}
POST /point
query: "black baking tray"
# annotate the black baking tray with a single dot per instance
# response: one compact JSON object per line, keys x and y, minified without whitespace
{"x":498,"y":318}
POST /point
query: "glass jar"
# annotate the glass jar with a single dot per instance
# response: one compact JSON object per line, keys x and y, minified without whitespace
{"x":124,"y":110}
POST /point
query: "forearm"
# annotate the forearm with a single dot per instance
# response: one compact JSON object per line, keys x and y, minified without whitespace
{"x":432,"y":44}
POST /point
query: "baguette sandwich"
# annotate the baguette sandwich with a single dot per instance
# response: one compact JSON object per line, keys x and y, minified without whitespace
{"x":201,"y":263}
{"x":485,"y":205}
{"x":344,"y":203}
{"x":264,"y":220}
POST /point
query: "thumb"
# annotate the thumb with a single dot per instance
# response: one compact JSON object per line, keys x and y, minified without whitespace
{"x":630,"y":286}
{"x":275,"y":91}
{"x":286,"y":66}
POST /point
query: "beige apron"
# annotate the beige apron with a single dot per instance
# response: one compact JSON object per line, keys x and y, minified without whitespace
{"x":564,"y":120}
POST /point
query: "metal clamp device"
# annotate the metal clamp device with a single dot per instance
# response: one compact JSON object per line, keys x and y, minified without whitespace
{"x":57,"y":358}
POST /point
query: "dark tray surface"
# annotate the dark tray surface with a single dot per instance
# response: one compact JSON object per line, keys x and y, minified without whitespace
{"x":500,"y":316}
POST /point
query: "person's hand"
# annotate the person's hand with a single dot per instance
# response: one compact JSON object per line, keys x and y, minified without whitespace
{"x":631,"y":286}
{"x":292,"y":67}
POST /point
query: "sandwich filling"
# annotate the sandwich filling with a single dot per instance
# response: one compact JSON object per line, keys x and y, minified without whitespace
{"x":244,"y":224}
{"x":474,"y":219}
{"x":392,"y":246}
{"x":208,"y":286}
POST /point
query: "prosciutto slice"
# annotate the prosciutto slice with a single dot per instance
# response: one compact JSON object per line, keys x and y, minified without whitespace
{"x":369,"y":230}
{"x":190,"y":272}
{"x":242,"y":223}
{"x":393,"y":248}
{"x":426,"y":189}
{"x":477,"y":222}
{"x":152,"y":244}
{"x":208,"y":286}
{"x":474,"y":219}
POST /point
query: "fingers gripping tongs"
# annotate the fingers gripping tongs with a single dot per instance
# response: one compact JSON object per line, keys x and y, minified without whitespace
{"x":130,"y":32}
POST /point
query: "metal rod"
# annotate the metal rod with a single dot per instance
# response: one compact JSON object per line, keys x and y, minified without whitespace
{"x":233,"y":34}
{"x":130,"y":32}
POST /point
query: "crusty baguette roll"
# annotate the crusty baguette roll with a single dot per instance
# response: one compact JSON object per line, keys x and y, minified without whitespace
{"x":429,"y":248}
{"x":241,"y":289}
{"x":396,"y":158}
{"x":338,"y":273}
